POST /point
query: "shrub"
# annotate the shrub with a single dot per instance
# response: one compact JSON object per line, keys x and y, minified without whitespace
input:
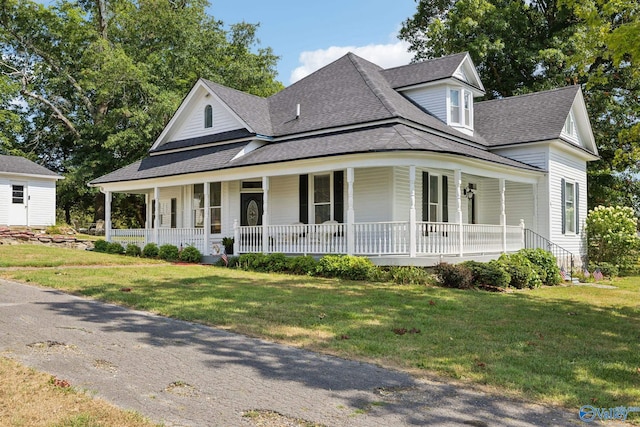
{"x":607,"y":269}
{"x":487,"y":274}
{"x":545,"y":264}
{"x":253,"y":262}
{"x":344,"y":267}
{"x":522,"y":272}
{"x":409,"y":275}
{"x":150,"y":250}
{"x":302,"y":265}
{"x":133,"y":250}
{"x":612,"y":236}
{"x":453,"y":275}
{"x":115,"y":248}
{"x":190,"y":254}
{"x":168,"y":252}
{"x":100,"y":245}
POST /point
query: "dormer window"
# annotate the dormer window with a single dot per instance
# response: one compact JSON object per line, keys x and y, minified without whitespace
{"x":208,"y":116}
{"x":460,"y":108}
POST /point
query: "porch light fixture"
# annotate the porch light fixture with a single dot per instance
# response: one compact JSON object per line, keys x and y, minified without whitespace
{"x":468,"y":191}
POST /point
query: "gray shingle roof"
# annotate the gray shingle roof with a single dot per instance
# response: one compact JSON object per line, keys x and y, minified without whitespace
{"x":254,"y":110}
{"x":20,"y":165}
{"x":538,"y":116}
{"x":354,"y":92}
{"x":423,"y":72}
{"x":201,"y":140}
{"x":396,"y":137}
{"x":176,"y":163}
{"x":364,"y":140}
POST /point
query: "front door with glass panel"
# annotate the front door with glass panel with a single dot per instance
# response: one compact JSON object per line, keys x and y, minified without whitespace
{"x":18,"y":204}
{"x":251,"y":209}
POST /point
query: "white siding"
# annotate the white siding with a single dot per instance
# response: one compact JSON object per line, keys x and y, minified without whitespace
{"x":519,"y":203}
{"x":401,"y":197}
{"x":283,"y":200}
{"x":488,"y":200}
{"x":563,"y":165}
{"x":191,"y":124}
{"x":432,"y":99}
{"x":5,"y":201}
{"x":42,"y":202}
{"x":535,"y":157}
{"x":373,"y":194}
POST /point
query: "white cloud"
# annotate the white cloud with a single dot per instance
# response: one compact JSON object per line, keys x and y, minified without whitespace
{"x":384,"y":55}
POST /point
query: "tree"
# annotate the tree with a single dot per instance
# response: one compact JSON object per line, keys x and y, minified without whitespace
{"x":86,"y":86}
{"x":524,"y":46}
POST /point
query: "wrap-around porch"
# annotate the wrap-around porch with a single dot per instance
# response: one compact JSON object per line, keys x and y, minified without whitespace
{"x":349,"y":232}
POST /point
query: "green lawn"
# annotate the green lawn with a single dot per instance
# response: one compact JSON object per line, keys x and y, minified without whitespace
{"x":568,"y":345}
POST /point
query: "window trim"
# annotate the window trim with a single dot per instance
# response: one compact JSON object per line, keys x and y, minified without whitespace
{"x":208,"y":116}
{"x":212,"y":207}
{"x":312,"y":201}
{"x":573,"y":186}
{"x":465,"y":115}
{"x":21,"y":198}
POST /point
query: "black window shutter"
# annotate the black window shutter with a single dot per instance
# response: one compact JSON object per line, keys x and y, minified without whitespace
{"x":445,"y":198}
{"x":577,"y":207}
{"x":562,"y":205}
{"x":304,"y":199}
{"x":425,"y":196}
{"x":338,"y":196}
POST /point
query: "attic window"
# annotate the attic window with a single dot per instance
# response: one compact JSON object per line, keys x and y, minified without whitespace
{"x":570,"y":125}
{"x":208,"y":116}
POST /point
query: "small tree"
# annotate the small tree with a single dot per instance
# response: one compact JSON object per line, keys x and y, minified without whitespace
{"x":612,"y":236}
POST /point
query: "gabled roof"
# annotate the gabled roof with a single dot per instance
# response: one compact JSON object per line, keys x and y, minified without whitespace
{"x":533,"y":117}
{"x":253,"y":109}
{"x":433,"y":70}
{"x":21,"y":166}
{"x":349,"y":91}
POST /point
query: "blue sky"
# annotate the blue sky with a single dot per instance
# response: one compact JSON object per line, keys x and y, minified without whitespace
{"x":309,"y":35}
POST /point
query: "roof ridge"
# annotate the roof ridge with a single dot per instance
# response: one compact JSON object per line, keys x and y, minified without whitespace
{"x":373,"y":86}
{"x":556,"y":89}
{"x":429,"y":60}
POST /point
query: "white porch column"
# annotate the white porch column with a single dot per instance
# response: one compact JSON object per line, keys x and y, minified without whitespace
{"x":156,"y":221}
{"x":412,"y":212}
{"x":503,"y":214}
{"x":107,"y":216}
{"x":147,"y":203}
{"x":207,"y":218}
{"x":457,"y":177}
{"x":351,"y":216}
{"x":265,"y":214}
{"x":236,"y":237}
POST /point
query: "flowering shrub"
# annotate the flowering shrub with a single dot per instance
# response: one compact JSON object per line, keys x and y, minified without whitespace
{"x":612,"y":236}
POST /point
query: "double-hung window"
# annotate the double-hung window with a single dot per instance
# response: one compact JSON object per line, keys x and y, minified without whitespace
{"x":215,"y":206}
{"x":460,"y":107}
{"x":570,"y":195}
{"x":322,"y":198}
{"x":435,"y":195}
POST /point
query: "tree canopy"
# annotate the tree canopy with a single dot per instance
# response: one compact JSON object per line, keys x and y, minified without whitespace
{"x":523,"y":46}
{"x":86,"y":86}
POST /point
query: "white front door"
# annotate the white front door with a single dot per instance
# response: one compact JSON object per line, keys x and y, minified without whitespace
{"x":18,"y":203}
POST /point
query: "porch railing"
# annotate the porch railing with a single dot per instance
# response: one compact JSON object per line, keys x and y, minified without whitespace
{"x":380,"y":238}
{"x":564,"y":258}
{"x":180,"y":237}
{"x":369,"y":238}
